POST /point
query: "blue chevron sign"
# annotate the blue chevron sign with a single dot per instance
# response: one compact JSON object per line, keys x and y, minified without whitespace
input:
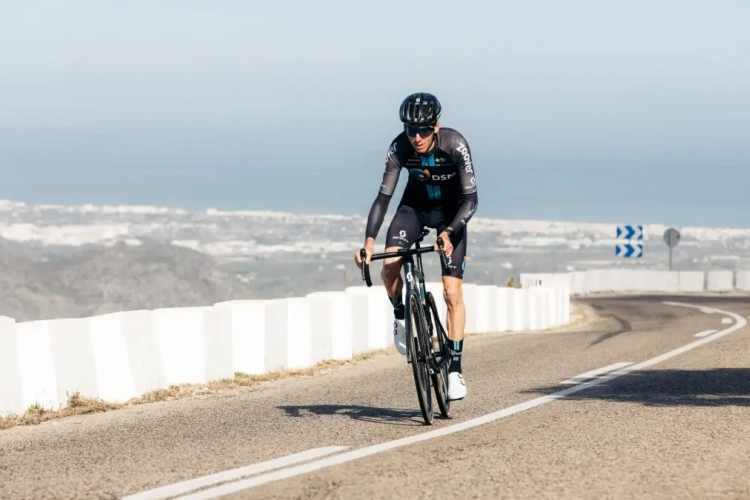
{"x":630,"y":232}
{"x":627,"y":250}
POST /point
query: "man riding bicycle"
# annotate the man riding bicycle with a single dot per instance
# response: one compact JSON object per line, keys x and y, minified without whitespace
{"x":441,"y":193}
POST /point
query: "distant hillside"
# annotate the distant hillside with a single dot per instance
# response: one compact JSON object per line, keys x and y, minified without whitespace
{"x":103,"y":280}
{"x":77,"y":260}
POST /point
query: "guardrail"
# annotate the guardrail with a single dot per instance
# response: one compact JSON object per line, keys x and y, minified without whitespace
{"x":119,"y":356}
{"x":645,"y":280}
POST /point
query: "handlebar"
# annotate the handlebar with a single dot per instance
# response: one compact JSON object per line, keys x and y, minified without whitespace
{"x":401,"y":253}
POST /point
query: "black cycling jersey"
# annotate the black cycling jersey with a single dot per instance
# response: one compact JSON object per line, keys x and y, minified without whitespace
{"x":442,"y":180}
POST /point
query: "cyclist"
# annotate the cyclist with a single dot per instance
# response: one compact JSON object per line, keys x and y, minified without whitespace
{"x":441,"y":193}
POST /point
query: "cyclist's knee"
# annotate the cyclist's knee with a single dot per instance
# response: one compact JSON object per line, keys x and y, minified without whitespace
{"x":391,"y":267}
{"x":452,"y":293}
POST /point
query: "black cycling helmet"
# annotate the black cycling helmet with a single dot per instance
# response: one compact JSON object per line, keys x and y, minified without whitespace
{"x":420,"y":109}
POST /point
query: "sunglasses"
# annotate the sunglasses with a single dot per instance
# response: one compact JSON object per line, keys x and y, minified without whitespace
{"x":422,"y":131}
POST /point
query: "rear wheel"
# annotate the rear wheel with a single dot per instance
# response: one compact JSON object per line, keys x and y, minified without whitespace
{"x":441,"y":346}
{"x":416,"y":336}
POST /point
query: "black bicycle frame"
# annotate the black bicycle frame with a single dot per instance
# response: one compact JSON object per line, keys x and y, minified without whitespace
{"x":414,"y":277}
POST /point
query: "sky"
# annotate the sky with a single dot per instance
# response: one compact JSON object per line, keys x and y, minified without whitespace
{"x":626,"y":112}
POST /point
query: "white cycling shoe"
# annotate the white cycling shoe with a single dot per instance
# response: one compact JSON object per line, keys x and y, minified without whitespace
{"x":456,"y":386}
{"x":399,"y":335}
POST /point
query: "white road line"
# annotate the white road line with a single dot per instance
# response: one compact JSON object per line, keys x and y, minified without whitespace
{"x":173,"y":490}
{"x":705,"y":334}
{"x":726,"y":321}
{"x":595,"y":373}
{"x":379,"y":448}
{"x":703,"y":309}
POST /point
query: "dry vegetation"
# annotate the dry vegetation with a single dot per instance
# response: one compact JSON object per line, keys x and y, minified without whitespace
{"x":79,"y":405}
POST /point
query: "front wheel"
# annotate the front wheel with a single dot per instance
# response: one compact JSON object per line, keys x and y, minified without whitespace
{"x":442,"y":350}
{"x":417,"y":342}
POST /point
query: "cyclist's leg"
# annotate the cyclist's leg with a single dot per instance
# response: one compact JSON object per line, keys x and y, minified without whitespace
{"x":453,"y":280}
{"x":456,"y":317}
{"x":402,"y":232}
{"x":453,"y":289}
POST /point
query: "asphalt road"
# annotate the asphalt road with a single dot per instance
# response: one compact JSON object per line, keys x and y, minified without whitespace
{"x":671,"y":423}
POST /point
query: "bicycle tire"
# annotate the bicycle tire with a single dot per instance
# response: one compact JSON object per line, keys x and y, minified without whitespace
{"x":419,"y":354}
{"x":440,"y":377}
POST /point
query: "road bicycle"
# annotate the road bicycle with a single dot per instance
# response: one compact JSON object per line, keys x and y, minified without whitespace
{"x":427,"y":347}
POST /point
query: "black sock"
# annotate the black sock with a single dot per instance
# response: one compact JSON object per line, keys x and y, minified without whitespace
{"x":398,"y":307}
{"x":456,"y":347}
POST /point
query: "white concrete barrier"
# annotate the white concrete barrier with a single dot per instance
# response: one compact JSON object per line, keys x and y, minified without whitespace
{"x":534,"y":309}
{"x":37,"y":365}
{"x":642,"y":280}
{"x":565,"y":299}
{"x":518,"y":309}
{"x":470,"y":304}
{"x":120,"y":356}
{"x":743,"y":280}
{"x":615,"y":279}
{"x":484,"y":308}
{"x":72,"y":349}
{"x":555,"y":314}
{"x":502,"y":316}
{"x":691,"y":281}
{"x":720,"y":281}
{"x":562,"y":306}
{"x":195,"y":344}
{"x":56,"y":361}
{"x":126,"y":355}
{"x":251,"y":347}
{"x":539,"y":311}
{"x":288,"y":332}
{"x":578,"y":283}
{"x":331,"y":326}
{"x":11,"y":397}
{"x":372,"y":317}
{"x":593,"y":278}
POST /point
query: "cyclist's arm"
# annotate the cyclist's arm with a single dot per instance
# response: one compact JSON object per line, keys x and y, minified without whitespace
{"x":468,"y":200}
{"x":380,"y":205}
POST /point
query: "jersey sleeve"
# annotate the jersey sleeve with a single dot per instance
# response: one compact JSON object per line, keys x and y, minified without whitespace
{"x":387,"y":187}
{"x":468,"y":198}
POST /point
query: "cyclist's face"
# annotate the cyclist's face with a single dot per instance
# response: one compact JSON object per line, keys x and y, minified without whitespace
{"x":422,"y":137}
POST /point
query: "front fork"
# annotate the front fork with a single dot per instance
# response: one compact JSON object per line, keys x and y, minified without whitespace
{"x":410,"y":283}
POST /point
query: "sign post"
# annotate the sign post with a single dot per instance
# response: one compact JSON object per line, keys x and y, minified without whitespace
{"x":629,"y":249}
{"x":671,"y":238}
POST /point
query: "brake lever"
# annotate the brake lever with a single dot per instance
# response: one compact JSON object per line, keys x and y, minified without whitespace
{"x":365,"y":268}
{"x":443,"y":258}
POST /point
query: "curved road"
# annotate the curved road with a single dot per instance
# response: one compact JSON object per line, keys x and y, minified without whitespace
{"x":669,"y":421}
